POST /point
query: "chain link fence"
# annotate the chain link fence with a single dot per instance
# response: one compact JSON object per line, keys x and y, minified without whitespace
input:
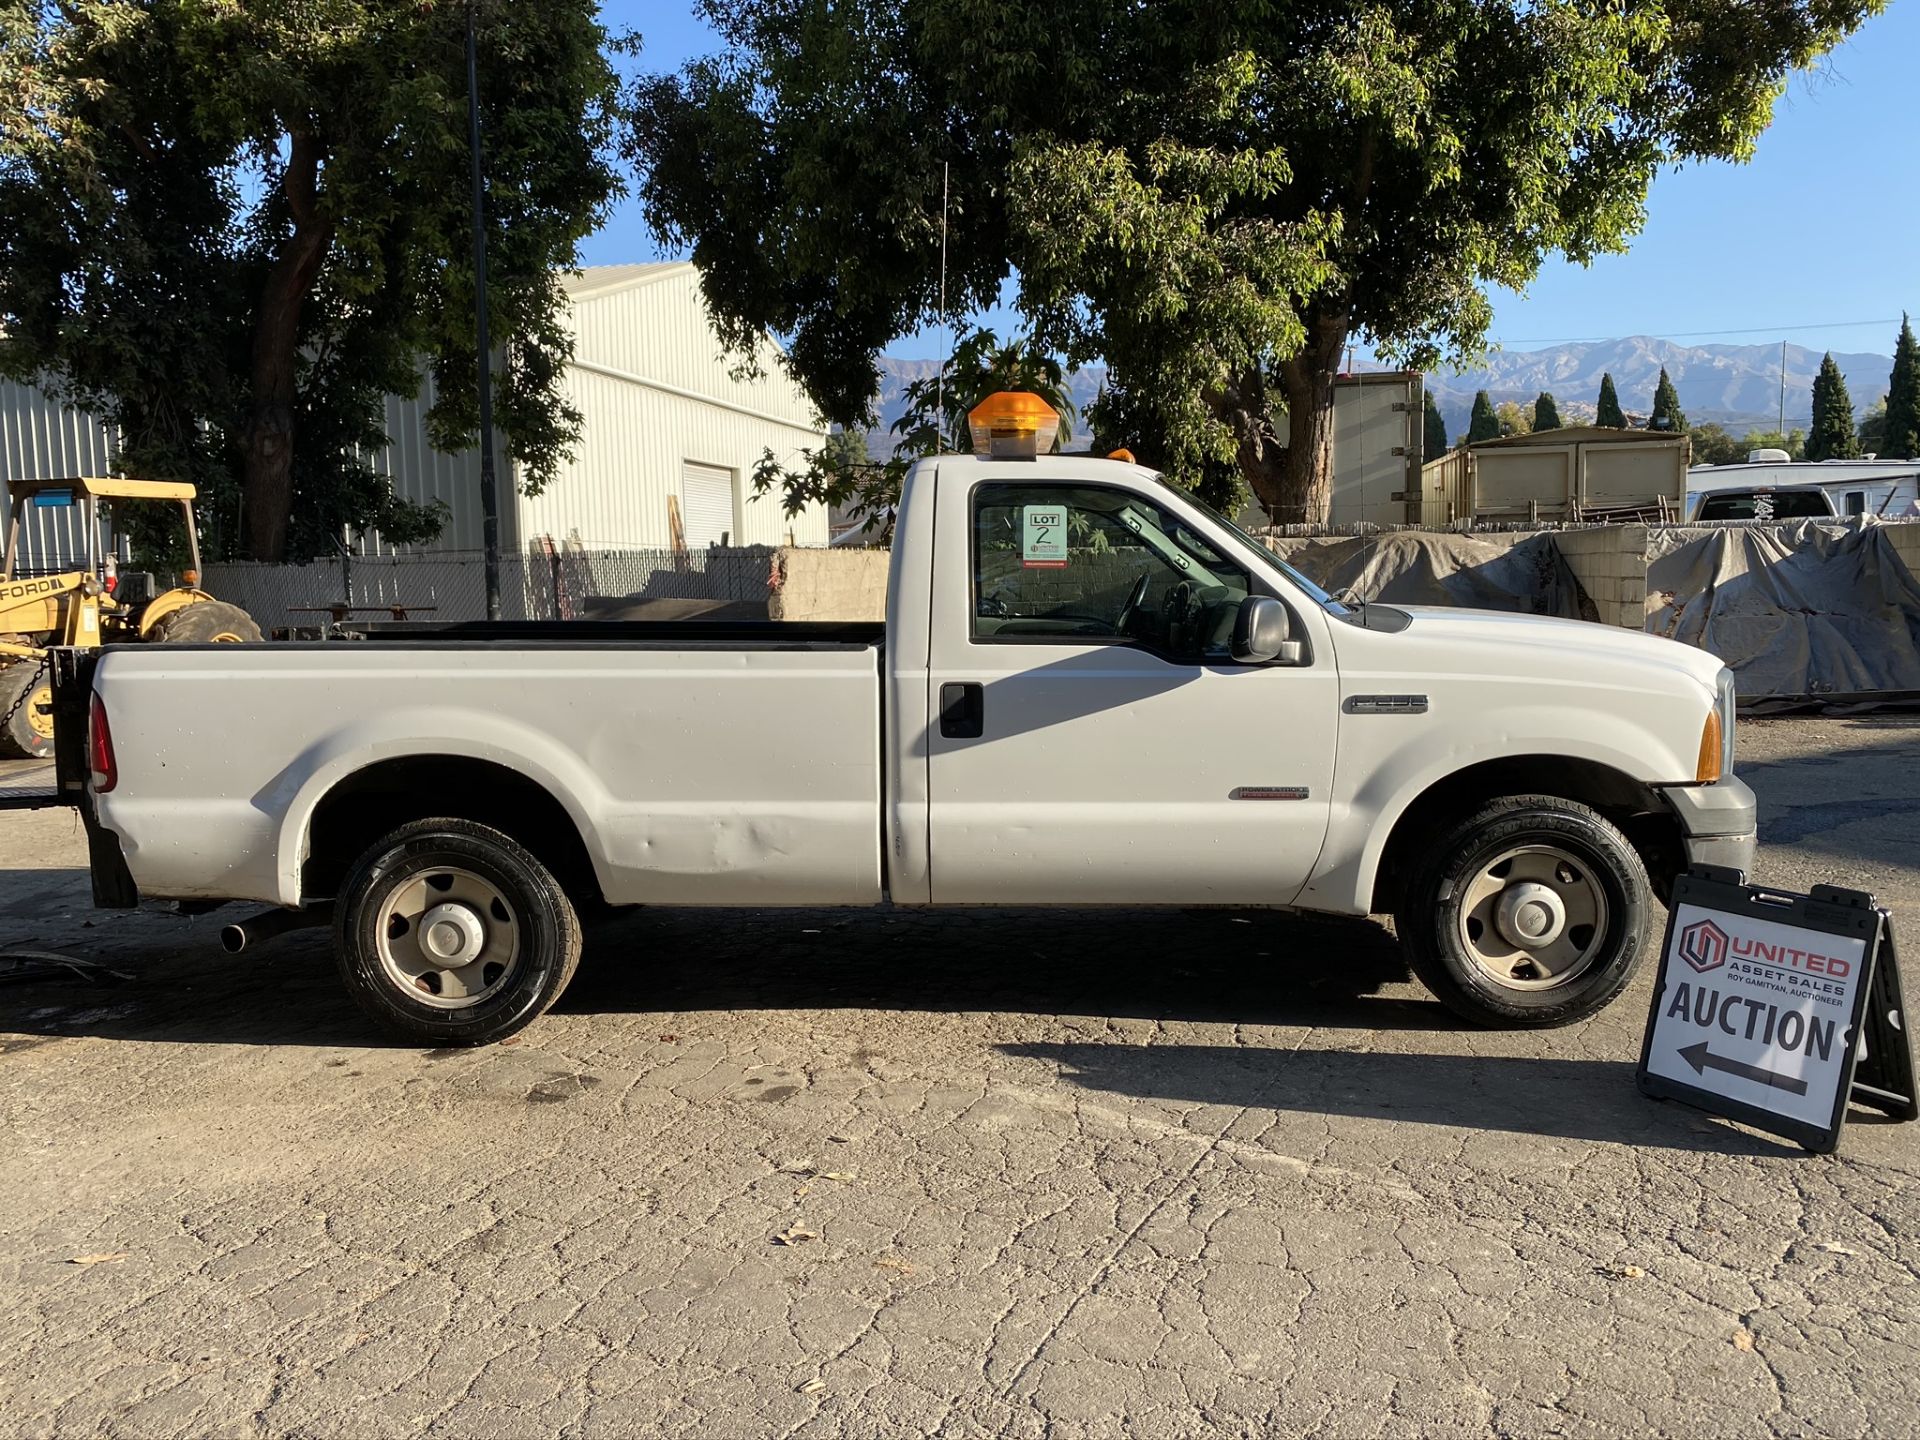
{"x":567,"y":583}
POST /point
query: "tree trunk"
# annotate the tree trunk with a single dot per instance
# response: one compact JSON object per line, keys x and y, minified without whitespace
{"x":1307,"y":378}
{"x":268,"y":486}
{"x":1259,"y":450}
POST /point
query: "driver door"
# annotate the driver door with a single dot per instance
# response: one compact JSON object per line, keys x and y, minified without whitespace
{"x":1091,"y":740}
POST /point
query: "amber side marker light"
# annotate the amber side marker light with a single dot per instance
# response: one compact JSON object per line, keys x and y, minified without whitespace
{"x":1013,"y":425}
{"x":1708,"y":769}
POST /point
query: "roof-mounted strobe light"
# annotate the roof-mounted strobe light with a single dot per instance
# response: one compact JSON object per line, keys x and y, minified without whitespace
{"x":1013,"y":425}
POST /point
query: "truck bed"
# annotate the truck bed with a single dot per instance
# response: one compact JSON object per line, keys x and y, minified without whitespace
{"x":733,"y":768}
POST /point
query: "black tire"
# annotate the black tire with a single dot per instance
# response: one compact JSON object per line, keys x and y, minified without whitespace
{"x":26,"y":721}
{"x":1439,"y":938}
{"x":207,"y":622}
{"x":544,"y":933}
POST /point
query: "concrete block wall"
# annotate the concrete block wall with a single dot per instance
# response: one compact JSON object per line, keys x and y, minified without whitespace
{"x":1904,"y":536}
{"x":813,"y":584}
{"x":1610,"y":562}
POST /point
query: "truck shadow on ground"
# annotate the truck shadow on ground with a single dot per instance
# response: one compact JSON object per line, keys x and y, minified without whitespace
{"x":1571,"y":1099}
{"x":1211,"y":966}
{"x":1219,"y":966}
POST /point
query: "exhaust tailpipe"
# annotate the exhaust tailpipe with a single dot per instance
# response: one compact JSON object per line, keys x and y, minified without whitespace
{"x":244,"y":934}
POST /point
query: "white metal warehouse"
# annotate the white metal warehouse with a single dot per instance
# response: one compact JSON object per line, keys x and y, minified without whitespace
{"x":668,"y":425}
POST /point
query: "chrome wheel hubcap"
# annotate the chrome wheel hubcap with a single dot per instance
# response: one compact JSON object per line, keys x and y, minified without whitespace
{"x":1534,"y":917}
{"x":448,"y":938}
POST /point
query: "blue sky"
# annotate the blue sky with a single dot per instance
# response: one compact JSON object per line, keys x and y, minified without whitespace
{"x":1819,"y":233}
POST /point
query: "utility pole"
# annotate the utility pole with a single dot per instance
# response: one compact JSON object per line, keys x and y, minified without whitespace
{"x":489,"y":500}
{"x":1783,"y":393}
{"x":940,"y":383}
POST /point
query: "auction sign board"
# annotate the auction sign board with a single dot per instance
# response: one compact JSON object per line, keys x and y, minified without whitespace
{"x":1760,"y":1005}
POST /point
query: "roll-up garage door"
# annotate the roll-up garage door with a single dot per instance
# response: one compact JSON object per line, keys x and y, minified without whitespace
{"x":706,"y":500}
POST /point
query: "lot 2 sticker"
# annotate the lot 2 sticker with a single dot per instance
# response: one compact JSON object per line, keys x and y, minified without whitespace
{"x":1757,"y":1012}
{"x":1043,"y":537}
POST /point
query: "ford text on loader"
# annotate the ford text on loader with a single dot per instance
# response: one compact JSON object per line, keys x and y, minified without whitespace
{"x":1089,"y":690}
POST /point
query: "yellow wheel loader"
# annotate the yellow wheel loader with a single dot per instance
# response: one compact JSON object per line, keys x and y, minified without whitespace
{"x":92,"y":605}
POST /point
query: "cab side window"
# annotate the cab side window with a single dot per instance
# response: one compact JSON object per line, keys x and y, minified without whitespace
{"x":1085,"y":564}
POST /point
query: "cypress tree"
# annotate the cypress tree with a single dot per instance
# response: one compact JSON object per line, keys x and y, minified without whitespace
{"x":1608,"y":412}
{"x":1486,"y":424}
{"x":1546,"y":413}
{"x":1436,"y":437}
{"x":1667,"y":414}
{"x":1903,"y":398}
{"x":1832,"y":435}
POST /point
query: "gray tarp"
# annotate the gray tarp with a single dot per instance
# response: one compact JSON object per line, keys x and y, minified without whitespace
{"x":1423,"y":567}
{"x":1801,"y":609}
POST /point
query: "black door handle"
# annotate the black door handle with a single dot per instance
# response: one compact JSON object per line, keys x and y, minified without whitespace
{"x":963,"y":710}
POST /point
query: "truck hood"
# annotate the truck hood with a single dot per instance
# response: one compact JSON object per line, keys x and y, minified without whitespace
{"x":1552,"y":646}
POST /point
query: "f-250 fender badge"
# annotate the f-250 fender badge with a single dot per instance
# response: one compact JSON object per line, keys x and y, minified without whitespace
{"x":1267,"y":792}
{"x":1386,"y":705}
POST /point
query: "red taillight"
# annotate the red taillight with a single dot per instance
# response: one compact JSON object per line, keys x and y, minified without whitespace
{"x":100,"y":750}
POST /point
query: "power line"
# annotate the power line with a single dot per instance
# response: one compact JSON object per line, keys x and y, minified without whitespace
{"x":1691,"y":334}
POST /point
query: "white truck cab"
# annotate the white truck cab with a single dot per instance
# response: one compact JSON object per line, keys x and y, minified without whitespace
{"x":1090,"y":690}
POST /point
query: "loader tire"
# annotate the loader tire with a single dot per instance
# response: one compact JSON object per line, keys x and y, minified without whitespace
{"x":208,"y":622}
{"x":26,"y":710}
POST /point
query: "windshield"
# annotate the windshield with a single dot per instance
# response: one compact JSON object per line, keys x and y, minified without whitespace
{"x":1263,"y":556}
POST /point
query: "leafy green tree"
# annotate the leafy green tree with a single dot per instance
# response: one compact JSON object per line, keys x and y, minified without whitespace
{"x":1902,"y":437}
{"x":1213,"y":198}
{"x":1795,"y":443}
{"x":1831,"y":437}
{"x":1435,"y":439}
{"x":837,"y":475}
{"x":1713,"y":445}
{"x":233,"y":229}
{"x":1485,"y":424}
{"x":1607,"y":411}
{"x":1514,"y":418}
{"x":1667,"y":414}
{"x":1871,"y":433}
{"x":1546,"y":412}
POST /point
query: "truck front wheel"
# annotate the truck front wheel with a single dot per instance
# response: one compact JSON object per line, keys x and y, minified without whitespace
{"x":1531,"y":913}
{"x":450,"y":933}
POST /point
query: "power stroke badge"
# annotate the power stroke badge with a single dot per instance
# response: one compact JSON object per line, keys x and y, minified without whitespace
{"x":1759,"y":1005}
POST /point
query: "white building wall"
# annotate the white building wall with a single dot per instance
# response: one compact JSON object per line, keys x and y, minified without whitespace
{"x":630,"y":458}
{"x":658,"y":393}
{"x":422,"y":474}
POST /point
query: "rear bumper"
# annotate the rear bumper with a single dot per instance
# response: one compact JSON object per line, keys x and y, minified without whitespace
{"x":1718,"y":822}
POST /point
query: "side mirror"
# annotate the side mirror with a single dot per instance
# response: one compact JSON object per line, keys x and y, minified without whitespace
{"x":1262,"y":633}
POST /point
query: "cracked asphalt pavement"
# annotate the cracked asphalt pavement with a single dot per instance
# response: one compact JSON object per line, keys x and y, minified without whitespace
{"x":977,"y":1174}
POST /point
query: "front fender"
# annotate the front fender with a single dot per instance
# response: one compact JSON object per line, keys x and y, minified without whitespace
{"x":1381,"y":775}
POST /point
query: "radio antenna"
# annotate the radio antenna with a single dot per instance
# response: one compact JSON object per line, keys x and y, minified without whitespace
{"x":940,"y":385}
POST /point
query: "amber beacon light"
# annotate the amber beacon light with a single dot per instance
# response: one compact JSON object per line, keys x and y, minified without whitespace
{"x":1013,"y":424}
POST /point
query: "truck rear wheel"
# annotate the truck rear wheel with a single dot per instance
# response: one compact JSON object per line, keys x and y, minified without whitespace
{"x":206,"y":622}
{"x":26,"y":710}
{"x":450,"y":933}
{"x":1532,"y":913}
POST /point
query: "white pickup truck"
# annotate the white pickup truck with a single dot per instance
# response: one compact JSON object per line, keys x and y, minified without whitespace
{"x":1089,"y":690}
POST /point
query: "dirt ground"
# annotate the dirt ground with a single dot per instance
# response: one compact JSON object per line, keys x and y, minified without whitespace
{"x":886,"y":1174}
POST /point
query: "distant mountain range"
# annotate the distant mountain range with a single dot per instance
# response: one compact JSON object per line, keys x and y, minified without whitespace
{"x":1736,"y":385}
